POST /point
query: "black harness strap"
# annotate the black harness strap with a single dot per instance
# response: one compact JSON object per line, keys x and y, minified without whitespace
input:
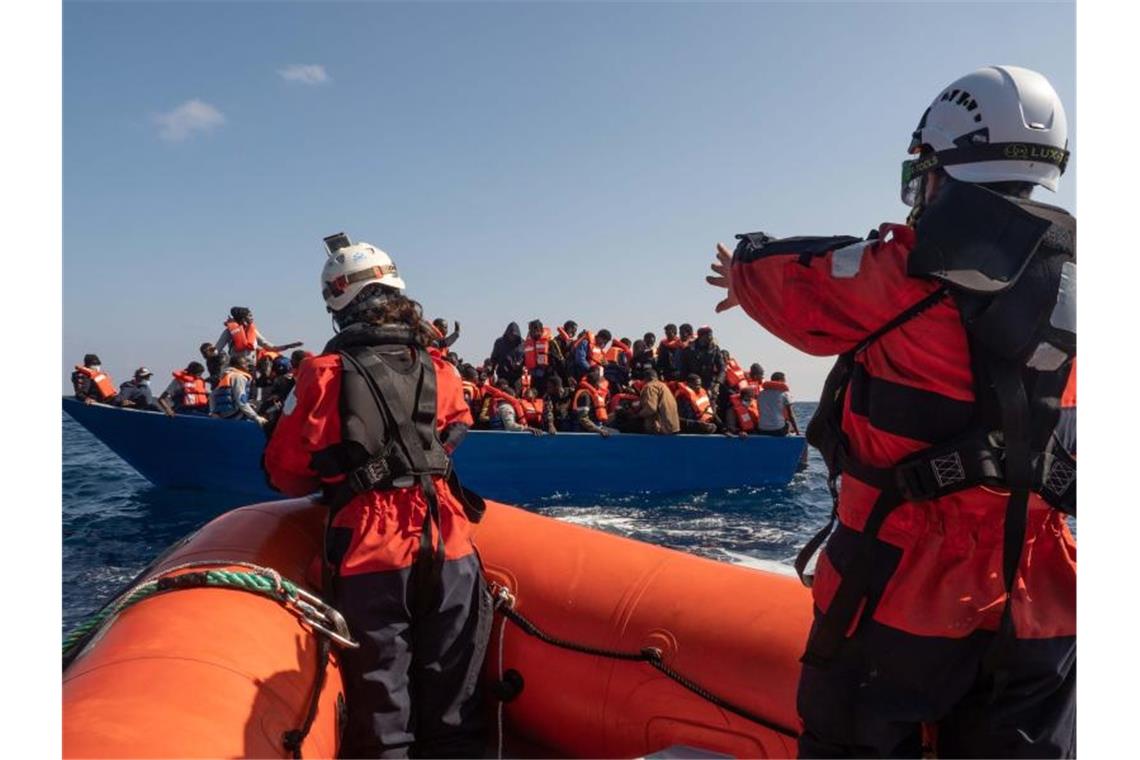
{"x":416,"y":412}
{"x":831,"y":441}
{"x":294,"y":738}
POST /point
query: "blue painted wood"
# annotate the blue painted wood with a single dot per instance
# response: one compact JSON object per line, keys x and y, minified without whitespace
{"x":222,"y":455}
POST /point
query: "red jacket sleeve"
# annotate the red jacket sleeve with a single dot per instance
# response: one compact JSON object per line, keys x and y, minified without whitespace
{"x":309,"y":422}
{"x":824,"y":295}
{"x":450,"y":406}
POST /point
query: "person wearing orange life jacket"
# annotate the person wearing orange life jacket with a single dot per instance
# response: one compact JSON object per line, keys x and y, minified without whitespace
{"x":588,"y":405}
{"x":533,"y":409}
{"x":947,"y":593}
{"x":695,"y":407}
{"x":508,"y":411}
{"x":743,"y":412}
{"x":588,"y":350}
{"x":557,"y":415}
{"x":776,"y":417}
{"x":240,"y":336}
{"x":542,"y":355}
{"x":472,"y":392}
{"x":91,"y":384}
{"x":565,"y":340}
{"x":411,"y":588}
{"x":617,"y":360}
{"x":186,"y":393}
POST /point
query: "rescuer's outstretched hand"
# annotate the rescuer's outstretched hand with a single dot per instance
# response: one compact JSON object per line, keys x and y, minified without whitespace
{"x":723,"y":277}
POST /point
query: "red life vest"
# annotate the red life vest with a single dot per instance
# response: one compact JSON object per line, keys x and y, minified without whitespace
{"x":746,"y":415}
{"x":620,"y":400}
{"x":193,"y":389}
{"x":775,"y":385}
{"x":597,"y":399}
{"x":1069,"y":395}
{"x":532,"y":411}
{"x":471,"y":392}
{"x":536,"y":353}
{"x":613,"y":354}
{"x":244,"y":337}
{"x":500,"y":395}
{"x":698,"y":400}
{"x":734,"y":376}
{"x":101,"y":380}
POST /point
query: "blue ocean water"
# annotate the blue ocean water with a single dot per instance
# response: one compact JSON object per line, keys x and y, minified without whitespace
{"x":115,"y":522}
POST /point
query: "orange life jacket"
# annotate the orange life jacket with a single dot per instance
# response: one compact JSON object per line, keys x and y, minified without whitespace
{"x":101,"y":380}
{"x":597,"y":399}
{"x":532,"y":411}
{"x":244,"y":337}
{"x":775,"y":385}
{"x":698,"y":400}
{"x":193,"y":389}
{"x":501,"y":395}
{"x":614,"y":352}
{"x":733,"y":374}
{"x":566,"y":337}
{"x":263,"y":353}
{"x":1069,"y":395}
{"x":619,"y":400}
{"x":471,"y":392}
{"x":536,"y":353}
{"x":524,"y":379}
{"x":746,"y":416}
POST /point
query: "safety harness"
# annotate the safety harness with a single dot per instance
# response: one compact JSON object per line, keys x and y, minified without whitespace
{"x":389,"y":438}
{"x":1010,"y":266}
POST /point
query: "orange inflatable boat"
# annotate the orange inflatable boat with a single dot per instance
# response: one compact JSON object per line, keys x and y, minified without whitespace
{"x":213,"y":658}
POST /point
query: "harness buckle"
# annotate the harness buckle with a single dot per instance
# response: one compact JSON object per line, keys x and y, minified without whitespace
{"x":365,"y":477}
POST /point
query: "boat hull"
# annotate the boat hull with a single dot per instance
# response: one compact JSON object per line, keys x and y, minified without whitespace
{"x":219,"y":455}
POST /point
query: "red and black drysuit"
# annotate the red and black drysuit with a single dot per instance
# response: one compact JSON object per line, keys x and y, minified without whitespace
{"x":371,"y":424}
{"x":912,"y":586}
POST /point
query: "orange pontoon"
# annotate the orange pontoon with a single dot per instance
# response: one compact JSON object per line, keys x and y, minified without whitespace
{"x":221,"y":673}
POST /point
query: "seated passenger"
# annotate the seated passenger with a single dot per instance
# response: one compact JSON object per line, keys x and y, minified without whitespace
{"x":230,"y":400}
{"x":91,"y":384}
{"x":695,"y":407}
{"x":136,"y":392}
{"x":657,"y":408}
{"x":775,"y":405}
{"x":589,"y":404}
{"x":532,"y":407}
{"x":742,"y":413}
{"x":186,"y":393}
{"x":556,"y":413}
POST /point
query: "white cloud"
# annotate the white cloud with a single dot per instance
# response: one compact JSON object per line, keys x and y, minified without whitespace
{"x":187,"y":119}
{"x":305,"y":73}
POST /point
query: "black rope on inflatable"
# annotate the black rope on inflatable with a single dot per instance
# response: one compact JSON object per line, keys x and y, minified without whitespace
{"x":650,"y":655}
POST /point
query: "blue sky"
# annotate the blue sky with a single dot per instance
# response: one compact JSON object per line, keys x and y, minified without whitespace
{"x":517,"y":160}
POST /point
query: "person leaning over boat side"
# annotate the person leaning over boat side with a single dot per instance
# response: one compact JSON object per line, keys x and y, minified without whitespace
{"x":91,"y":384}
{"x":372,"y":422}
{"x":136,"y":392}
{"x":775,"y":403}
{"x":656,"y":406}
{"x":230,"y":400}
{"x":947,"y":593}
{"x":186,"y":393}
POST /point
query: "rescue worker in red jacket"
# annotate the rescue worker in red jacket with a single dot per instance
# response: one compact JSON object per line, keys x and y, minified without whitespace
{"x":92,"y":384}
{"x":372,"y":422}
{"x":946,"y":595}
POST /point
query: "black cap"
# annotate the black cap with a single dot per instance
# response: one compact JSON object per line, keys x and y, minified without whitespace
{"x":143,"y":372}
{"x":90,"y":359}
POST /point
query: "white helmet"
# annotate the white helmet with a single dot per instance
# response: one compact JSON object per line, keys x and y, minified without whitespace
{"x":351,"y":267}
{"x":996,"y":124}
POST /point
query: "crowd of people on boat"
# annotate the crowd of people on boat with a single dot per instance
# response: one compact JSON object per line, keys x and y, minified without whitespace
{"x":566,"y":380}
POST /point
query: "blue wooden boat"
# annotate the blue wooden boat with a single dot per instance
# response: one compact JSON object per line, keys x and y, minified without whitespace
{"x":203,"y":453}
